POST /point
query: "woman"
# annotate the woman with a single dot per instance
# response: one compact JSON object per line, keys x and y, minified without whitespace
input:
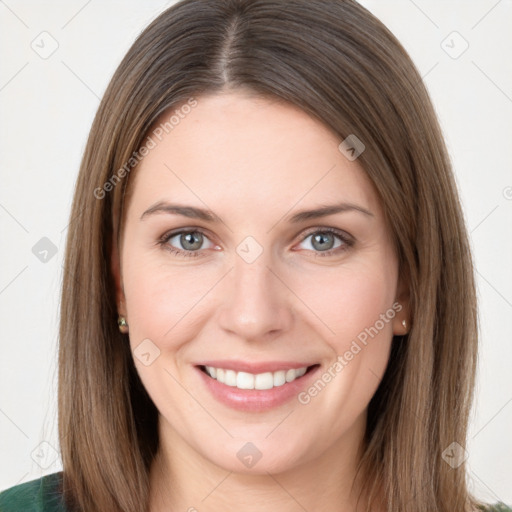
{"x":268,"y":298}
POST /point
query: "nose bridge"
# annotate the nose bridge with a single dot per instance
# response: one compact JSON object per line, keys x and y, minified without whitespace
{"x":256,"y":302}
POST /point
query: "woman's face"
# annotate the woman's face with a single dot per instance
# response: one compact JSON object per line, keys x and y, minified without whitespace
{"x":245,"y":281}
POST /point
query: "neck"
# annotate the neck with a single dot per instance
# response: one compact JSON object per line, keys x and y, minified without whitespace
{"x":182,"y":479}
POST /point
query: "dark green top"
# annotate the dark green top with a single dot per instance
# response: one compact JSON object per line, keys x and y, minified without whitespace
{"x":44,"y":495}
{"x":40,"y":495}
{"x":499,"y":507}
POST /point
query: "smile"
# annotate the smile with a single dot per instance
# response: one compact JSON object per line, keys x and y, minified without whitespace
{"x":260,"y":381}
{"x":252,"y":386}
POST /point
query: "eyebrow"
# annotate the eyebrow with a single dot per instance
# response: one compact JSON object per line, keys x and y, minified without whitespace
{"x":208,"y":216}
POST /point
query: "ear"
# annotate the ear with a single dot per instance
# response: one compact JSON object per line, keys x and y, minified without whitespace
{"x":403,"y":313}
{"x":115,"y":267}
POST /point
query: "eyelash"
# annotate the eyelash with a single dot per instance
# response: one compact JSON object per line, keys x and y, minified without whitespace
{"x":348,"y":242}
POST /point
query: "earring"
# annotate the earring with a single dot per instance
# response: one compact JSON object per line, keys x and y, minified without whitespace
{"x":404,"y":323}
{"x":123,"y":326}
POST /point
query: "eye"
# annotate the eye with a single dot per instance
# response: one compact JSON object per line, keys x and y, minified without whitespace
{"x":323,"y":241}
{"x":191,"y":242}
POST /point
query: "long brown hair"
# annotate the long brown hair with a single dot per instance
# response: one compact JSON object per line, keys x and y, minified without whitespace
{"x":338,"y":63}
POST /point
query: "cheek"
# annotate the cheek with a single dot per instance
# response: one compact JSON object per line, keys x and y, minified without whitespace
{"x":356,"y":306}
{"x":162,"y":303}
{"x":163,"y":300}
{"x":350,"y":300}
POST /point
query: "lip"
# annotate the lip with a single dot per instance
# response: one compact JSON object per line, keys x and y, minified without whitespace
{"x":255,"y":400}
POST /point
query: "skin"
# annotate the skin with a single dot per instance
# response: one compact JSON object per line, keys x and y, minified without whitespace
{"x":254,"y":162}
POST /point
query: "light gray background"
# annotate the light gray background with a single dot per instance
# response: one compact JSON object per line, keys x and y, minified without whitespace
{"x":47,"y":106}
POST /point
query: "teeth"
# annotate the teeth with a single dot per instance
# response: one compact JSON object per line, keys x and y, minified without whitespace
{"x":230,"y":378}
{"x":262,"y":381}
{"x":244,"y":380}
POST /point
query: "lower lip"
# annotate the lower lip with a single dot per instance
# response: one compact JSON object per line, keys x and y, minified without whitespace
{"x":256,"y":400}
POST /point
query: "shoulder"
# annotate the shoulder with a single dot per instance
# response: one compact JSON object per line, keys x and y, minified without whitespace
{"x":40,"y":495}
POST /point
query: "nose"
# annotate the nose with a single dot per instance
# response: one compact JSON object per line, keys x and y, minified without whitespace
{"x":257,"y":304}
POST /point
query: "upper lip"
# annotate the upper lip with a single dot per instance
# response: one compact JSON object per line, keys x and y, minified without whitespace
{"x":255,"y":367}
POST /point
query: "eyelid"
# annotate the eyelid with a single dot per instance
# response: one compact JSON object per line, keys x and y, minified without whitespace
{"x":327,"y":229}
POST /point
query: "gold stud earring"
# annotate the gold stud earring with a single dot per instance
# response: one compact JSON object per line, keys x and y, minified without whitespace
{"x":123,"y":326}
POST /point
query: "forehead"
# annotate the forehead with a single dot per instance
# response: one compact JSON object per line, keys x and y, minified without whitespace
{"x":249,"y":152}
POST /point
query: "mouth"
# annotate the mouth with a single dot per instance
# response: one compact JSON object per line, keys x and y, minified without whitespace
{"x":266,"y":387}
{"x":259,"y":381}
